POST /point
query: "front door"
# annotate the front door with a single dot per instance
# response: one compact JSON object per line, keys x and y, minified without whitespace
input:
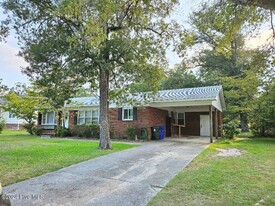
{"x":204,"y":125}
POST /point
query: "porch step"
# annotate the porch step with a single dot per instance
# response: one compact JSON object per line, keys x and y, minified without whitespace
{"x":47,"y":136}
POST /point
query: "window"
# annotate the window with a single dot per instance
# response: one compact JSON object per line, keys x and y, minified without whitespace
{"x":95,"y":117}
{"x":11,"y":115}
{"x":181,"y":118}
{"x":88,"y":117}
{"x":49,"y":118}
{"x":127,"y":113}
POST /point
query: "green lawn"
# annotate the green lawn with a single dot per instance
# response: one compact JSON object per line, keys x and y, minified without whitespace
{"x":14,"y":132}
{"x":211,"y":180}
{"x":23,"y":156}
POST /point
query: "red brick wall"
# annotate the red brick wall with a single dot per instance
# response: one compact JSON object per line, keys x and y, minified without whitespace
{"x":14,"y":127}
{"x":192,"y":123}
{"x":147,"y":117}
{"x":71,"y":118}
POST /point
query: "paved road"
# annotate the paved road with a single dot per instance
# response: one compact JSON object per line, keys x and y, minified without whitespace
{"x":130,"y":177}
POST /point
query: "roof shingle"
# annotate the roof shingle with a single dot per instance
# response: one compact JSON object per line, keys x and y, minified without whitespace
{"x":185,"y":94}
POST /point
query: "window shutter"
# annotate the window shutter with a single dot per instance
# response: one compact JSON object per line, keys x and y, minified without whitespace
{"x":119,"y":116}
{"x":39,"y":121}
{"x":135,"y":113}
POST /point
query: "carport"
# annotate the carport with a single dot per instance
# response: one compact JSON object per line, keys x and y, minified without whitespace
{"x":193,"y":111}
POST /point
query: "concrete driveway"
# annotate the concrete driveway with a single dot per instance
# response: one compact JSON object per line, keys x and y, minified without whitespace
{"x":130,"y":177}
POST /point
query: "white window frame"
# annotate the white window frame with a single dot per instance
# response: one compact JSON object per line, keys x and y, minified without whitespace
{"x":97,"y":116}
{"x":91,"y":117}
{"x":12,"y":116}
{"x":46,"y":119}
{"x":128,"y":109}
{"x":183,"y":117}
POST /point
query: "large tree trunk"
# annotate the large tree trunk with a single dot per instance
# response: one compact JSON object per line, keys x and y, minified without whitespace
{"x":105,"y":141}
{"x":244,"y":122}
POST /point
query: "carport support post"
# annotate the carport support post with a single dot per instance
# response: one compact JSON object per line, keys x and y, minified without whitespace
{"x":216,"y":123}
{"x":211,"y":123}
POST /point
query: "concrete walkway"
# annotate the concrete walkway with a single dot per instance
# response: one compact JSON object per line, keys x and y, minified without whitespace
{"x":130,"y":177}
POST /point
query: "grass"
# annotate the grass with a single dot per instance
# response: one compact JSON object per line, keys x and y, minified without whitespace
{"x":14,"y":132}
{"x":211,"y":180}
{"x":23,"y":156}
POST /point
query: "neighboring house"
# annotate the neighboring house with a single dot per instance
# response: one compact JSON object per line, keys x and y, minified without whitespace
{"x":181,"y":112}
{"x":12,"y":122}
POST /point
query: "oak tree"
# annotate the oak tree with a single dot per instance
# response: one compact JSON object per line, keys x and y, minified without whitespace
{"x":108,"y":43}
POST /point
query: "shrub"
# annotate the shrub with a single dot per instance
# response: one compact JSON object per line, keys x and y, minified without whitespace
{"x":2,"y":125}
{"x":62,"y":132}
{"x":230,"y":129}
{"x":131,"y":132}
{"x":86,"y":131}
{"x":143,"y":134}
{"x":29,"y":127}
{"x":262,"y":115}
{"x":37,"y":131}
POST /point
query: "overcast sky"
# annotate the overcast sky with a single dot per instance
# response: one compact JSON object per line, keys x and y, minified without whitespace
{"x":10,"y":63}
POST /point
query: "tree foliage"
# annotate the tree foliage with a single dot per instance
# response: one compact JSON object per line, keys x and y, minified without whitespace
{"x":217,"y":25}
{"x":263,"y":113}
{"x":25,"y":103}
{"x":3,"y":88}
{"x":223,"y":59}
{"x":266,"y":4}
{"x":23,"y":107}
{"x":108,"y":43}
{"x":180,"y":77}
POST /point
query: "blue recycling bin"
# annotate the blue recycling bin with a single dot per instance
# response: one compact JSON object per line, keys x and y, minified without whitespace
{"x":158,"y":133}
{"x":161,"y":132}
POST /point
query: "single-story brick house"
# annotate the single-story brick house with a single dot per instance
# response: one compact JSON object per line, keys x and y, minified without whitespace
{"x":182,"y":112}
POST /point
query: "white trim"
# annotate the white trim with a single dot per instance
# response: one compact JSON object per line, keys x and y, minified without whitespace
{"x":46,"y":120}
{"x":84,"y":117}
{"x":178,"y":117}
{"x":128,"y":108}
{"x":181,"y":103}
{"x":12,"y":116}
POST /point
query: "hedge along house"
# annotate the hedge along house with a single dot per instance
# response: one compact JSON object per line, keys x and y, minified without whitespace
{"x":182,"y":112}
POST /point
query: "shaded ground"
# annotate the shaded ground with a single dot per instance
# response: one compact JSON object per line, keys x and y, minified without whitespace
{"x":23,"y":156}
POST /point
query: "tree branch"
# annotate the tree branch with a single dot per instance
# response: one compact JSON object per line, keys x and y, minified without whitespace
{"x":266,"y":4}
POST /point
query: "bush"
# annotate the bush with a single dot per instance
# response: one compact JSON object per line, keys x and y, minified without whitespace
{"x":131,"y":132}
{"x":262,"y":115}
{"x":29,"y":127}
{"x":85,"y":131}
{"x":143,"y":134}
{"x":37,"y":131}
{"x":231,"y":129}
{"x":2,"y":125}
{"x":62,"y":132}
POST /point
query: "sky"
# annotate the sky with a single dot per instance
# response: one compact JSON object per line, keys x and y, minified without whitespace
{"x":11,"y":63}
